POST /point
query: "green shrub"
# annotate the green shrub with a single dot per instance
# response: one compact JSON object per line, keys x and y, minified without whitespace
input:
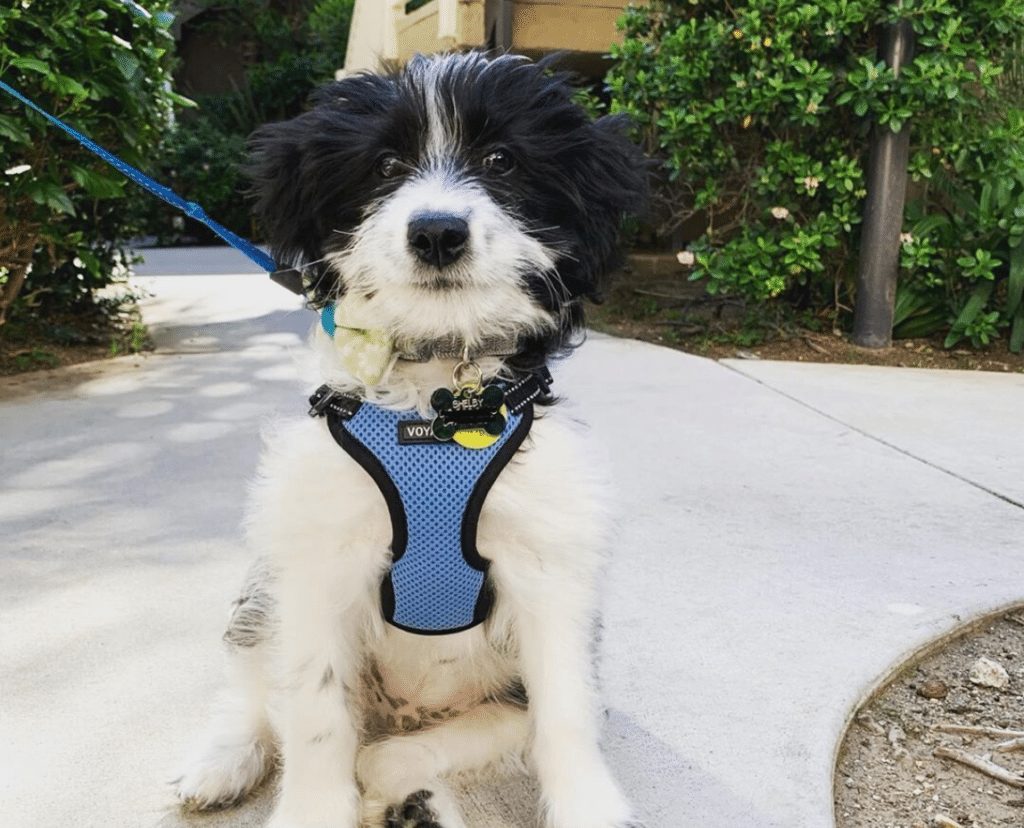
{"x":103,"y":66}
{"x":760,"y":111}
{"x":293,"y":52}
{"x":200,"y":160}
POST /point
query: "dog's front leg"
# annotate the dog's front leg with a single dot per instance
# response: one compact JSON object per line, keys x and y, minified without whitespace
{"x":554,"y":620}
{"x":321,"y":623}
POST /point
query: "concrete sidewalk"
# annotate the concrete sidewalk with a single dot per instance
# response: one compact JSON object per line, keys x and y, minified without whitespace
{"x":793,"y":532}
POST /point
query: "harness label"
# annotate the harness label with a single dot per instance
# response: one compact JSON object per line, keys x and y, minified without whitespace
{"x":416,"y":432}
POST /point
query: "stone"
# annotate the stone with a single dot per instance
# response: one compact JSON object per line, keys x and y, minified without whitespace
{"x":989,"y":673}
{"x":933,"y":689}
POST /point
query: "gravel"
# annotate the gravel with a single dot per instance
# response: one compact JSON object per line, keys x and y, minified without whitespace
{"x":887,"y":776}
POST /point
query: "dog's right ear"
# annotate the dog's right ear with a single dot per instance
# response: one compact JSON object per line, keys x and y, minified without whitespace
{"x":306,"y":173}
{"x":282,"y":206}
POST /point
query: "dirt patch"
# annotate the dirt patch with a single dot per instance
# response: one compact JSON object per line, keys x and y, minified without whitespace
{"x":810,"y":346}
{"x":29,"y":344}
{"x":667,"y":310}
{"x":888,"y":775}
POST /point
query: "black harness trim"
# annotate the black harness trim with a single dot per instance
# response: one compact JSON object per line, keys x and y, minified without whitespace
{"x":338,"y":408}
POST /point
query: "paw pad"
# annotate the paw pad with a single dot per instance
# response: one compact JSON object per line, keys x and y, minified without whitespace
{"x":414,"y":812}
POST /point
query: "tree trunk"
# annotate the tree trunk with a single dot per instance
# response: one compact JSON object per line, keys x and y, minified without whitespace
{"x":16,"y":258}
{"x":883,"y":212}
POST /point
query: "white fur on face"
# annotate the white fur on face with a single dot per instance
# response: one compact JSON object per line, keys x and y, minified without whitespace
{"x":481,"y":296}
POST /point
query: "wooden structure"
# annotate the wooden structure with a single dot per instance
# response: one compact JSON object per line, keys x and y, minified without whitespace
{"x":395,"y":30}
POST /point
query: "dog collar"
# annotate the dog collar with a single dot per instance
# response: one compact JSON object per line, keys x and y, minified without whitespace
{"x":368,"y":353}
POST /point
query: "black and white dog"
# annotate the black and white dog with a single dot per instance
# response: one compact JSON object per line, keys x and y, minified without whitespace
{"x":470,"y":199}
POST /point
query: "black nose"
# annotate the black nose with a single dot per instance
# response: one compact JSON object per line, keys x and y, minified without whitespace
{"x":438,"y":238}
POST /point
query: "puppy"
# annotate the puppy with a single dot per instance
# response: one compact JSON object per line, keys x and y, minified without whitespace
{"x":456,"y":213}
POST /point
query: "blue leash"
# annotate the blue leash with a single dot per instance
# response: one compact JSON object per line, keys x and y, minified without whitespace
{"x":289,"y":278}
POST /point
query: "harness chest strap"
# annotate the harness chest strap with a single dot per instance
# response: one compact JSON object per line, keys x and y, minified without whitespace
{"x":434,"y":490}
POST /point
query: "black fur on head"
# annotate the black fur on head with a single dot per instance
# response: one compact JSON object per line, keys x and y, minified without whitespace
{"x":545,"y":185}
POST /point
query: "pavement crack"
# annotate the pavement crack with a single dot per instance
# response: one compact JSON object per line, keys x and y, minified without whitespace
{"x":956,"y":475}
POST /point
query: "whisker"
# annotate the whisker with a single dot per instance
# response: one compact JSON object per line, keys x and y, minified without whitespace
{"x":306,"y":265}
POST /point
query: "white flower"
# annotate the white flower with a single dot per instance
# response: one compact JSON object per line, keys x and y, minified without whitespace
{"x":21,"y":168}
{"x":685,"y":258}
{"x":906,"y":238}
{"x":811,"y":182}
{"x":780,"y":213}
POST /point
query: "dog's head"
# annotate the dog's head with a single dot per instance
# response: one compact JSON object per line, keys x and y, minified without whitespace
{"x":462,"y":196}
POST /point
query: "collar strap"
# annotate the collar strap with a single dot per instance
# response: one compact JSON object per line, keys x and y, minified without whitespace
{"x":452,"y":348}
{"x":446,"y":348}
{"x":517,"y":396}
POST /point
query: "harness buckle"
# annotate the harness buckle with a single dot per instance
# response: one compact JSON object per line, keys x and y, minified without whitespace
{"x":320,"y":400}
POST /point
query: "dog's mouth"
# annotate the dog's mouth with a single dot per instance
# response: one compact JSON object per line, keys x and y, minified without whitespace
{"x":437,"y":279}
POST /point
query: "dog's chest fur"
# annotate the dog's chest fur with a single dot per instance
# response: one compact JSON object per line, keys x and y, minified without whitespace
{"x":411,"y":680}
{"x":544,"y":511}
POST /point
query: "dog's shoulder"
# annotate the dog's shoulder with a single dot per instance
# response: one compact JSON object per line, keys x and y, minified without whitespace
{"x":303,"y":475}
{"x":560,"y":479}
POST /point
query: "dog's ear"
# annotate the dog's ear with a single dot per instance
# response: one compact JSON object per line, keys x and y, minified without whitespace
{"x":276,"y":170}
{"x":613,"y":184}
{"x":625,"y":169}
{"x":306,"y":173}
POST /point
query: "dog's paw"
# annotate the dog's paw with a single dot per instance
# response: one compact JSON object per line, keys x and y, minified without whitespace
{"x":423,"y":809}
{"x":221,"y":775}
{"x":584,"y":795}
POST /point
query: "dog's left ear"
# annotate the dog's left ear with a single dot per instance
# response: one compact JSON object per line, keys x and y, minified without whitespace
{"x":613,"y":184}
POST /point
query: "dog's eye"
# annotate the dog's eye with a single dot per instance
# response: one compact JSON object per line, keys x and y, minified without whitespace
{"x":389,"y":166}
{"x":499,"y":161}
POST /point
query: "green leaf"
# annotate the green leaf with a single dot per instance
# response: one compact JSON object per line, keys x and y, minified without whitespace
{"x":975,"y":304}
{"x":952,"y":338}
{"x":925,"y":225}
{"x":49,"y":194}
{"x":1015,"y":285}
{"x":985,"y":200}
{"x":923,"y":324}
{"x":181,"y":100}
{"x":127,"y":63}
{"x":68,"y":86}
{"x":31,"y":64}
{"x":1001,"y":195}
{"x":96,"y":185}
{"x":61,"y":203}
{"x":1017,"y":332}
{"x":10,"y":128}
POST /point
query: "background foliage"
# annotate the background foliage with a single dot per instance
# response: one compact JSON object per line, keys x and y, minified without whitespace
{"x":292,"y":48}
{"x":760,"y":112}
{"x":105,"y":66}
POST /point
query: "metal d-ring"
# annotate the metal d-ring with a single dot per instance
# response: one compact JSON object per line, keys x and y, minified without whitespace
{"x":460,"y":380}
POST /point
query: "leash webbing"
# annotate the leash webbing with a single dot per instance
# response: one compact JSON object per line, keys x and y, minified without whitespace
{"x":189,"y":208}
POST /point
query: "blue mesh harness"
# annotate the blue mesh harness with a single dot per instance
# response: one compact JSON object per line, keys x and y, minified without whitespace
{"x":434,"y":490}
